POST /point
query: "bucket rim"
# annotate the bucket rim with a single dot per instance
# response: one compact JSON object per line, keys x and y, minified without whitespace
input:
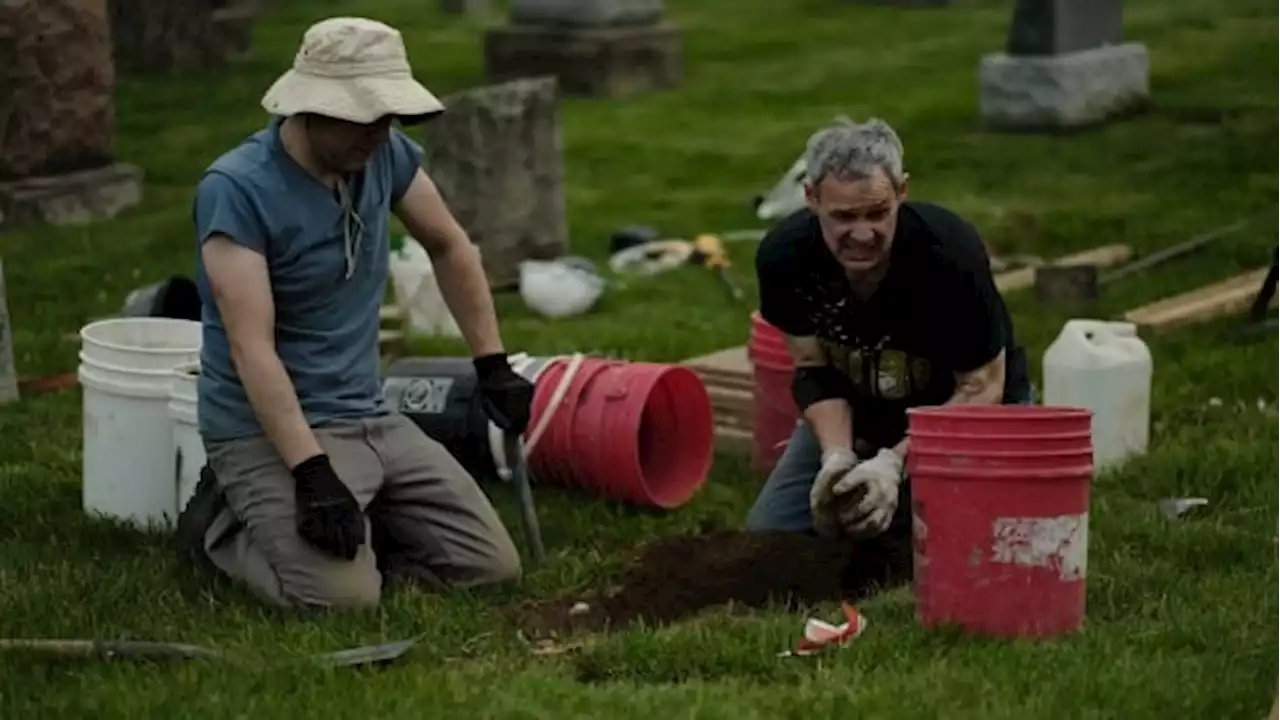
{"x":1001,"y":412}
{"x":87,"y":334}
{"x":1075,"y":473}
{"x":977,"y":437}
{"x":664,"y":497}
{"x":1002,"y":454}
{"x":96,"y":364}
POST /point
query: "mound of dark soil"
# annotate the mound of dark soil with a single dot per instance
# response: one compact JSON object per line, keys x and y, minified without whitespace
{"x":677,"y":577}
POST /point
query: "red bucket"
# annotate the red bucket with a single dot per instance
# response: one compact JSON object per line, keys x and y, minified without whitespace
{"x":775,"y":413}
{"x":1000,"y":502}
{"x":632,"y":432}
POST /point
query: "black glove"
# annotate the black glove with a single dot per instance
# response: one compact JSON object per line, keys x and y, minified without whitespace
{"x":505,"y":396}
{"x":329,"y":516}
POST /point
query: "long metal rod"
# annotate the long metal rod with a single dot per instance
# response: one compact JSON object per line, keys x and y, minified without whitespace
{"x":1171,"y":252}
{"x":528,"y":513}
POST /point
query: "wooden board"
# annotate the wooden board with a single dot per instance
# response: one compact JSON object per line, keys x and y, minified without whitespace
{"x":391,"y":334}
{"x":727,"y":375}
{"x":1226,"y":297}
{"x":1104,"y":256}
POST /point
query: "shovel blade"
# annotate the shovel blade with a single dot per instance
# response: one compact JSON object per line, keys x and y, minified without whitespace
{"x":368,"y":654}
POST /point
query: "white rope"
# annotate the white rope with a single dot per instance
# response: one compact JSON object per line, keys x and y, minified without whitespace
{"x":496,"y":445}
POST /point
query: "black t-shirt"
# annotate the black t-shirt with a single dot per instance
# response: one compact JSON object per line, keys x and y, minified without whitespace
{"x":937,"y":312}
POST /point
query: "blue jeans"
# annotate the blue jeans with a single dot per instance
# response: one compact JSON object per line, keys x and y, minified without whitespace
{"x":783,"y":502}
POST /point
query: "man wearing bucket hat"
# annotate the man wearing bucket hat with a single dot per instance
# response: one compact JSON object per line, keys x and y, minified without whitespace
{"x":886,"y":305}
{"x":316,"y":493}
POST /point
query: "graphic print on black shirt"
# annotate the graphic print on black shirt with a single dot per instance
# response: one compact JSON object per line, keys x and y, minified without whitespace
{"x":936,"y":313}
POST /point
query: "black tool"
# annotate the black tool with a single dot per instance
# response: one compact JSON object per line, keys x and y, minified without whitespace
{"x":1257,"y":320}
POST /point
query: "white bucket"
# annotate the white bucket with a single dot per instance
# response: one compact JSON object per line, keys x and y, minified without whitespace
{"x":188,"y":448}
{"x":126,"y":370}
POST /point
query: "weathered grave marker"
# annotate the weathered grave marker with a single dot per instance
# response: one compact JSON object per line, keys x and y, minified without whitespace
{"x":466,"y":7}
{"x":1065,"y":65}
{"x":8,"y":372}
{"x":595,"y":48}
{"x":57,"y":83}
{"x":497,"y":157}
{"x":163,"y":35}
{"x":911,"y":3}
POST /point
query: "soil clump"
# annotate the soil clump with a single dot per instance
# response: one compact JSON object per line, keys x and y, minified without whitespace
{"x":677,"y":577}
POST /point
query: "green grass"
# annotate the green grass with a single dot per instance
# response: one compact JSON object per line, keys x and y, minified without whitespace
{"x":1181,"y":614}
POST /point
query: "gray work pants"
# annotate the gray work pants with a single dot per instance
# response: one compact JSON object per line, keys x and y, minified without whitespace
{"x":427,"y":519}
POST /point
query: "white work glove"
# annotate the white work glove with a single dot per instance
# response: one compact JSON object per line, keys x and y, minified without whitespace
{"x":867,"y":496}
{"x":836,"y":463}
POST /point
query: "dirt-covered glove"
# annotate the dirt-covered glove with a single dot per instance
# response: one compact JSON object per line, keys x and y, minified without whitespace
{"x":329,"y":517}
{"x":866,"y":497}
{"x":836,"y":463}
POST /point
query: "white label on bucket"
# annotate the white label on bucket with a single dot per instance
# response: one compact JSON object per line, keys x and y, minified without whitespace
{"x":1055,"y":543}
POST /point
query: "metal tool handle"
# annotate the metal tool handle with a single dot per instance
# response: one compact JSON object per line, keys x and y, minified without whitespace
{"x":520,"y":478}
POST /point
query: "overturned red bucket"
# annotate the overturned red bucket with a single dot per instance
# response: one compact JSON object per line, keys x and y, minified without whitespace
{"x":1000,"y":504}
{"x":633,"y":432}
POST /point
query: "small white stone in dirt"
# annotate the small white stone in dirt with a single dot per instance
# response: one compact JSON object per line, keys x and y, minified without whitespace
{"x":579,"y":608}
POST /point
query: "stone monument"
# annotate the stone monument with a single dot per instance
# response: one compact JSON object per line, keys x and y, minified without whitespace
{"x":164,"y":35}
{"x":497,"y":156}
{"x":468,"y":8}
{"x":8,"y":372}
{"x":57,"y":115}
{"x":911,"y":3}
{"x":595,"y":48}
{"x":1065,"y":65}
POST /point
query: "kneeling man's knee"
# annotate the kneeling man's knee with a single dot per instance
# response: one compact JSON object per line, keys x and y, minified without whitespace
{"x":325,"y":583}
{"x":502,"y":564}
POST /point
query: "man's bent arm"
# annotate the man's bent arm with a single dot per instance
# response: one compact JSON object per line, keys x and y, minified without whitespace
{"x":830,"y":418}
{"x":457,"y":262}
{"x":984,"y":386}
{"x":242,"y":291}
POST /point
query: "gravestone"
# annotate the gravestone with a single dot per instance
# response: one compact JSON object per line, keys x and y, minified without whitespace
{"x":1065,"y":65}
{"x":466,"y":7}
{"x":57,"y":83}
{"x":8,"y":372}
{"x":163,"y":35}
{"x":497,"y":156}
{"x":910,"y":3}
{"x":595,"y":48}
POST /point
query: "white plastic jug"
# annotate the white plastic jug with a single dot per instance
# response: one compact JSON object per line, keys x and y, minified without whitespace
{"x":1105,"y":367}
{"x":417,"y":293}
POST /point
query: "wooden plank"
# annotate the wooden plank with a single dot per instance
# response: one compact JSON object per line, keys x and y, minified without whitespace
{"x":1104,"y":256}
{"x":1226,"y":297}
{"x":729,"y":383}
{"x":733,"y":440}
{"x":732,"y":361}
{"x":392,"y":333}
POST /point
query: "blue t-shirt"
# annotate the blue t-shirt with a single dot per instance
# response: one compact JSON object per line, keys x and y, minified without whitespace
{"x":326,"y":317}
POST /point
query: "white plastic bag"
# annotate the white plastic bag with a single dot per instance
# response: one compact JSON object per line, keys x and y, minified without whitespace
{"x":417,"y":293}
{"x":557,"y":289}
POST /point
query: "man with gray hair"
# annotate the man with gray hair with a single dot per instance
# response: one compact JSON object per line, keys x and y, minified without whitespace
{"x":317,"y":493}
{"x":886,"y":305}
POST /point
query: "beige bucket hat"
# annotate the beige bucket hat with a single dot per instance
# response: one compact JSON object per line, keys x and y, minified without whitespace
{"x":351,"y":69}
